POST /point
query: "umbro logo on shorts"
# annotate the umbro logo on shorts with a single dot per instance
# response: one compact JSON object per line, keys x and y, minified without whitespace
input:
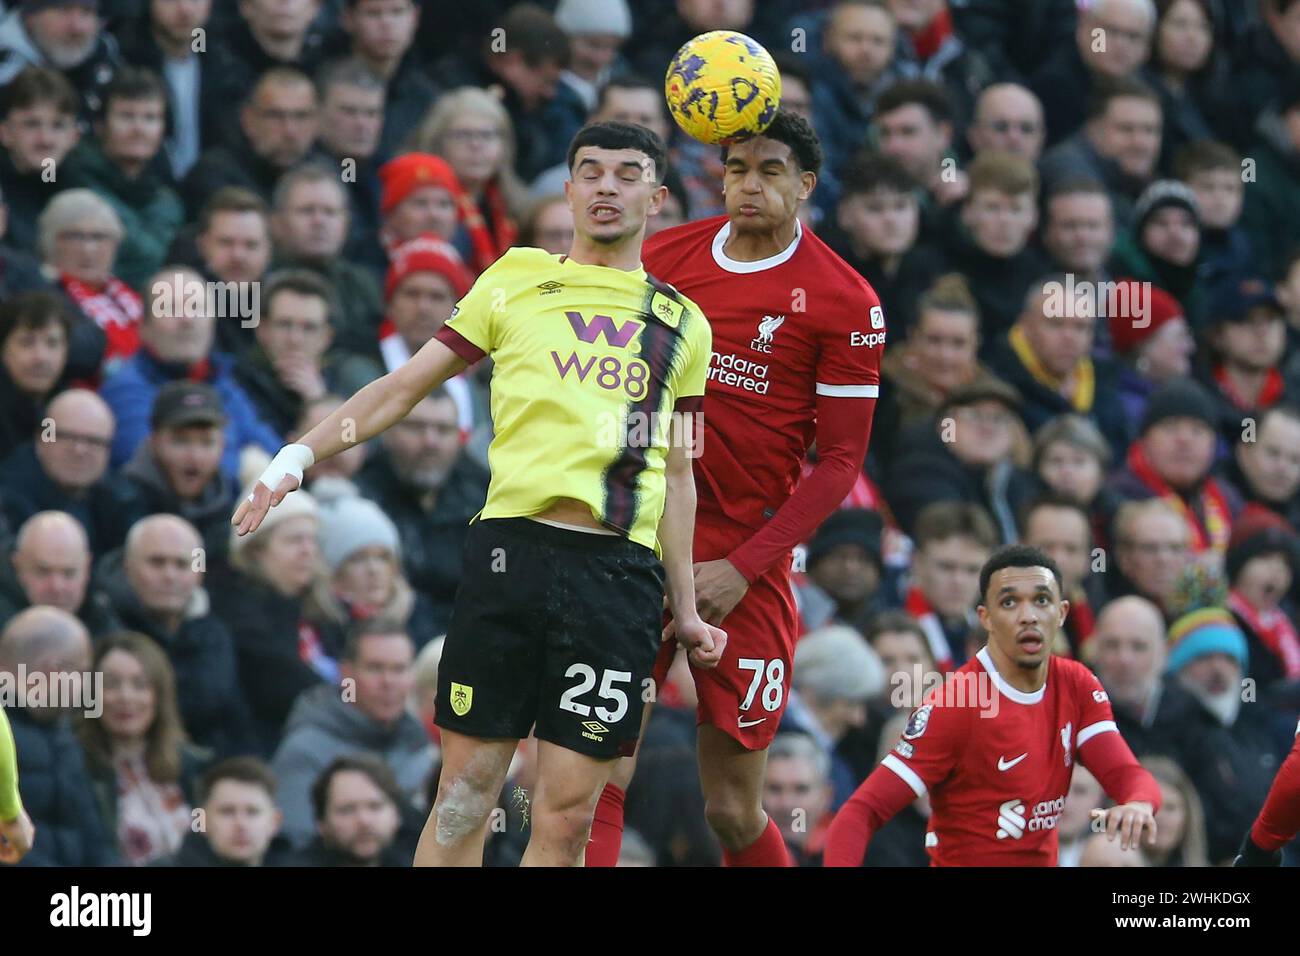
{"x":594,"y":730}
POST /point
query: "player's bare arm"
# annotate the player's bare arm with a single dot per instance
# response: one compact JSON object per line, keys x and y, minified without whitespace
{"x":704,"y":642}
{"x":1129,"y":821}
{"x":373,"y":409}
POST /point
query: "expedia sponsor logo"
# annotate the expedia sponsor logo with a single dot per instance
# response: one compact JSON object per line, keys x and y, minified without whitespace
{"x":869,"y":339}
{"x":739,"y":373}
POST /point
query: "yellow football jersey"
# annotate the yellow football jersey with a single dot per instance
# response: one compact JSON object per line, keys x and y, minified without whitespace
{"x":590,"y":363}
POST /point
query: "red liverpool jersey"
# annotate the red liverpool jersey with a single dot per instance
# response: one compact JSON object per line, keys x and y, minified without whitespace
{"x":787,"y":331}
{"x":997,"y":761}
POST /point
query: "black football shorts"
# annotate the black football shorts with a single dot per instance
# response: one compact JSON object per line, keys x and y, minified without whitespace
{"x":554,"y":631}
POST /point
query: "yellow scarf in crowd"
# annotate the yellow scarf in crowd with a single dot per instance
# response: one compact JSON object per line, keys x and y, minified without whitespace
{"x":1085,"y":381}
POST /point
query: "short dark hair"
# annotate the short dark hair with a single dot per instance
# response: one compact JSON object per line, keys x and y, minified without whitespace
{"x":897,"y":622}
{"x":1114,"y":87}
{"x":134,"y":83}
{"x":534,"y":33}
{"x":872,"y":172}
{"x":1205,"y":155}
{"x":797,"y":133}
{"x":303,"y":282}
{"x":346,"y":71}
{"x":928,"y":95}
{"x":628,"y":81}
{"x":1075,"y":186}
{"x":613,"y":134}
{"x":1016,"y":556}
{"x":240,"y":769}
{"x":232,"y":199}
{"x":789,"y":65}
{"x":1285,"y":409}
{"x":381,"y":625}
{"x":374,"y":768}
{"x":941,"y":520}
{"x":36,"y":85}
{"x":1053,"y":499}
{"x":34,"y":310}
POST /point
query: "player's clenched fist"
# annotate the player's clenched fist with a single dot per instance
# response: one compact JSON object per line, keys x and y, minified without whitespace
{"x":1129,"y":820}
{"x":282,"y":475}
{"x":704,"y":643}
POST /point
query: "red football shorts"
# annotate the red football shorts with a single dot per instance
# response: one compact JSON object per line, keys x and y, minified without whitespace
{"x":746,"y":694}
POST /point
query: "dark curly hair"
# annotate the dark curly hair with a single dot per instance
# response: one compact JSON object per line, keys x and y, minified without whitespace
{"x":1016,"y":556}
{"x":797,"y":133}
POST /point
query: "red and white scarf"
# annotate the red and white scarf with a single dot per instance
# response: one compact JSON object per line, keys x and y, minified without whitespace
{"x":919,"y":607}
{"x":1273,"y":628}
{"x":115,"y":308}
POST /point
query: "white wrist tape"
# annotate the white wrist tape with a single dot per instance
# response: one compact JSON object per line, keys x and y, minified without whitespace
{"x":289,"y":460}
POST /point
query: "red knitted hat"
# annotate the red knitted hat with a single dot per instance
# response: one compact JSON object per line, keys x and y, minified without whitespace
{"x":404,"y":175}
{"x":427,"y":253}
{"x":1143,"y":310}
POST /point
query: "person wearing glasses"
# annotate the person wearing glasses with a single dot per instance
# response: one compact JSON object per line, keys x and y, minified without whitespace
{"x":1008,"y":119}
{"x":65,"y":468}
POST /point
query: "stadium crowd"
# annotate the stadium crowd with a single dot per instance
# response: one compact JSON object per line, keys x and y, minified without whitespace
{"x":1083,"y":223}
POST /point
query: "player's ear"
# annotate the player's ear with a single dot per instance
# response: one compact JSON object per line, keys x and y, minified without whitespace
{"x":809,"y":180}
{"x":1065,"y":612}
{"x":657,"y":199}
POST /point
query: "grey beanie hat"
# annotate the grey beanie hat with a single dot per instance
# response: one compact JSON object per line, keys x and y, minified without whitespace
{"x":836,"y":661}
{"x":577,"y":17}
{"x":349,"y":522}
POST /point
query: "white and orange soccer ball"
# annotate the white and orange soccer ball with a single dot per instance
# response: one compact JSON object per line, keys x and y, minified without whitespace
{"x":723,"y":87}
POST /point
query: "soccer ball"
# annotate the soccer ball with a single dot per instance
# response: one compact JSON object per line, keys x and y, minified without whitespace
{"x":722,"y":88}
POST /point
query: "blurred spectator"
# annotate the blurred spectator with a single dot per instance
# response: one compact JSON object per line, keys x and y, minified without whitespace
{"x":1266,"y":62}
{"x":1163,"y":245}
{"x":844,"y":571}
{"x":356,"y":805}
{"x":55,"y":785}
{"x":352,"y":121}
{"x":425,"y":281}
{"x":1247,"y":339}
{"x":166,"y":39}
{"x":361,"y":550}
{"x":1208,"y":657}
{"x":1074,"y":825}
{"x":969,"y":453}
{"x":34,"y":332}
{"x":1288,"y":293}
{"x":155,"y":586}
{"x":176,"y":342}
{"x":430,"y":489}
{"x":1118,"y":146}
{"x":1047,"y":357}
{"x":913,"y":124}
{"x":1072,"y":459}
{"x":597,"y":29}
{"x":369,"y":717}
{"x":65,"y":468}
{"x":1060,"y":528}
{"x":1078,"y":229}
{"x":1273,"y":199}
{"x":291,"y":364}
{"x":859,"y":40}
{"x":381,"y":34}
{"x":38,"y":129}
{"x":424,"y":693}
{"x":797,"y":794}
{"x":902,"y":647}
{"x":280,"y":652}
{"x":1152,"y":342}
{"x":241,"y":823}
{"x":118,"y":164}
{"x":472,"y":131}
{"x":310,"y":226}
{"x":524,"y":76}
{"x":19,"y":271}
{"x":548,"y":225}
{"x":953,"y":540}
{"x":421,"y":195}
{"x":835,"y":673}
{"x":346,"y":463}
{"x":50,"y":565}
{"x":930,"y":47}
{"x":1102,"y":850}
{"x":143,"y":770}
{"x":80,"y":236}
{"x":1152,"y":545}
{"x":233,"y":246}
{"x":1008,"y":119}
{"x":938,"y":357}
{"x":63,"y":35}
{"x":1190,"y":77}
{"x":1213,"y":171}
{"x":1260,"y":565}
{"x":876,"y":227}
{"x":992,"y":248}
{"x":177,"y":469}
{"x":1180,"y":839}
{"x":268,"y":35}
{"x":1111,"y":39}
{"x":1265,"y":463}
{"x":278,"y":125}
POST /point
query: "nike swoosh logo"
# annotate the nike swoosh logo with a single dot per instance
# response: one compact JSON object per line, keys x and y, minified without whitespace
{"x":742,"y":722}
{"x":1004,"y":764}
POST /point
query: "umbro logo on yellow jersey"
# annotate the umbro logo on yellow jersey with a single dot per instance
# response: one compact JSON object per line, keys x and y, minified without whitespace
{"x":550,"y":287}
